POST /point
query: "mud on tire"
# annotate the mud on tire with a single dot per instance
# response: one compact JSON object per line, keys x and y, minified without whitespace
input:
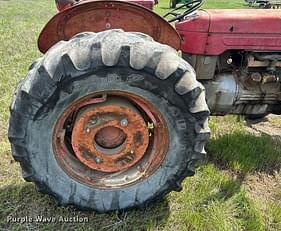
{"x":113,"y":60}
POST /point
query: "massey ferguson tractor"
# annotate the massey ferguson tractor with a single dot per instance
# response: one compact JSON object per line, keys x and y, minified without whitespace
{"x":113,"y":117}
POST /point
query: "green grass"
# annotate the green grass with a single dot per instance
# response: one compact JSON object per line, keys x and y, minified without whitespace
{"x":230,"y":141}
{"x":237,"y":188}
{"x":163,"y":6}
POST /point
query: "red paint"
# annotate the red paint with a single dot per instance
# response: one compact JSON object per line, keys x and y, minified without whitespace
{"x":98,"y":16}
{"x":145,"y":3}
{"x":212,"y":32}
{"x":65,"y":4}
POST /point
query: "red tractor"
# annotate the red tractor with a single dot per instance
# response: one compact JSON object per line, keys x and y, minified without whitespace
{"x":111,"y":117}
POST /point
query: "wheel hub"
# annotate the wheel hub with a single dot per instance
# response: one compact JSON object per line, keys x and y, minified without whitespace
{"x":110,"y":137}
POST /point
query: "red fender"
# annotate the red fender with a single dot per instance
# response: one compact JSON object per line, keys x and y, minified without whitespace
{"x":98,"y":16}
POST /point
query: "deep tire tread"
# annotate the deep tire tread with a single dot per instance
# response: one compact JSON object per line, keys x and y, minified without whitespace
{"x":39,"y":90}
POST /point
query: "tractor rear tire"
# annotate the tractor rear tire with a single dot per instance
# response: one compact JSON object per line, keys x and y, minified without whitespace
{"x":125,"y":73}
{"x":255,"y":117}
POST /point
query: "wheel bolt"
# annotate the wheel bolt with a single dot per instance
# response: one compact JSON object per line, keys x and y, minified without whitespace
{"x":93,"y":121}
{"x":124,"y":122}
{"x":98,"y":160}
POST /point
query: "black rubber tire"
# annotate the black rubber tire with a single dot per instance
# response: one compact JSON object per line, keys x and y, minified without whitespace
{"x":91,"y":62}
{"x":255,"y":117}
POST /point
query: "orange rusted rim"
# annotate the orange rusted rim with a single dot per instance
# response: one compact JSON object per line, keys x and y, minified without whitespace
{"x":110,"y":139}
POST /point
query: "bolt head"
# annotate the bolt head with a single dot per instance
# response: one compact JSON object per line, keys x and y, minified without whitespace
{"x":256,"y":77}
{"x":98,"y":160}
{"x":93,"y":121}
{"x":124,"y":122}
{"x":229,"y":61}
{"x":108,"y":25}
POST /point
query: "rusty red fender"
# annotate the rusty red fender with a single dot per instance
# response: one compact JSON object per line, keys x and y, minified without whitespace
{"x":96,"y":16}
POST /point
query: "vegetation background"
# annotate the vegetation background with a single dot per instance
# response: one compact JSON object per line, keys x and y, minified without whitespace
{"x":237,"y":188}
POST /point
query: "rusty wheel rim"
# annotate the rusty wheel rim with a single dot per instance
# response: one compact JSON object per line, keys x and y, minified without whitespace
{"x":110,"y":139}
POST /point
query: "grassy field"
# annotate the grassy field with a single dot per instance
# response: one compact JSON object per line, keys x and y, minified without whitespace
{"x":237,"y":188}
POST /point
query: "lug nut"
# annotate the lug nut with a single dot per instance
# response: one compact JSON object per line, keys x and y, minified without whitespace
{"x":98,"y":160}
{"x":108,"y":26}
{"x":256,"y":77}
{"x":93,"y":121}
{"x":124,"y":122}
{"x":229,"y":61}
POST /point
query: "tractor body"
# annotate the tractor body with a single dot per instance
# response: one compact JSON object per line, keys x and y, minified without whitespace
{"x":236,"y":54}
{"x":65,"y":4}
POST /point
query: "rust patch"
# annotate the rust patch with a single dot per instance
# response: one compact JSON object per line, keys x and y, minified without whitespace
{"x":97,"y":16}
{"x":87,"y":138}
{"x":135,"y":159}
{"x":110,"y":137}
